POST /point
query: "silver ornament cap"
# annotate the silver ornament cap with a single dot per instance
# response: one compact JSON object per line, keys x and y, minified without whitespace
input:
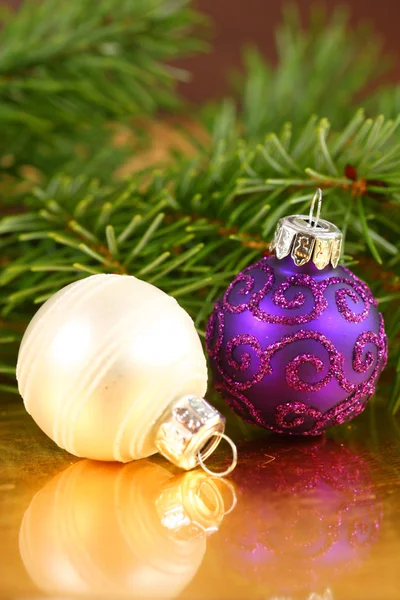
{"x":188,"y":433}
{"x":308,"y":238}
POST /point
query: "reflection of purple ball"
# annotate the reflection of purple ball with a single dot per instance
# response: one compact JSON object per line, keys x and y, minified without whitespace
{"x":295,"y":349}
{"x":307,"y":512}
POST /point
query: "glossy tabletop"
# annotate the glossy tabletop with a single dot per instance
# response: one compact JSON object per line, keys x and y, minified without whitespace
{"x":306,"y":519}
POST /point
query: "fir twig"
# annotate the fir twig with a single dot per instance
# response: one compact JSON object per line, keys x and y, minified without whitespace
{"x":190,"y":226}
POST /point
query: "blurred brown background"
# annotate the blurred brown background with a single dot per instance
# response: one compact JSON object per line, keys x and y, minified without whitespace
{"x":241,"y":22}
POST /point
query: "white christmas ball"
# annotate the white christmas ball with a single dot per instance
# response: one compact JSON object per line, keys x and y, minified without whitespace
{"x":101,"y":361}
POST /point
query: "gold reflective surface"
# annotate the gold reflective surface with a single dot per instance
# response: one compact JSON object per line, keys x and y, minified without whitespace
{"x":310,"y":519}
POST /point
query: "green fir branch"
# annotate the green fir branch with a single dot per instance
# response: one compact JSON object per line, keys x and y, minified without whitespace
{"x":174,"y":247}
{"x":321,"y":71}
{"x":67,"y":69}
{"x":190,"y":226}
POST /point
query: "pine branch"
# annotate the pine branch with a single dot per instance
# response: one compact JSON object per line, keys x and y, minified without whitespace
{"x":191,"y":226}
{"x":66,"y":69}
{"x":191,"y":239}
{"x":322,"y":70}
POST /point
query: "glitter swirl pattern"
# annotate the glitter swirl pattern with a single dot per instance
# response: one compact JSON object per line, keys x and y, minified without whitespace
{"x":244,"y":285}
{"x":321,"y":365}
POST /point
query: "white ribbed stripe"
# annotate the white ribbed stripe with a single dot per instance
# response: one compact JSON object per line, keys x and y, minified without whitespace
{"x":90,"y":375}
{"x":150,"y":414}
{"x":25,"y":362}
{"x":28,"y":342}
{"x":147,"y":418}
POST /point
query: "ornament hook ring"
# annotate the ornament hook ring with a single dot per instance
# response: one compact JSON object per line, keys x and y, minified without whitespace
{"x":317,"y":195}
{"x":231,"y":489}
{"x":234,"y":497}
{"x":233,"y":464}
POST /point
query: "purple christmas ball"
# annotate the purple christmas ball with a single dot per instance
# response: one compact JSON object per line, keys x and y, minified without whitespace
{"x":295,"y":349}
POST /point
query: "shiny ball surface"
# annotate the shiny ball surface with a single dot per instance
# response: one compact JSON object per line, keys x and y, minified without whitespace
{"x":101,"y":361}
{"x":295,"y":349}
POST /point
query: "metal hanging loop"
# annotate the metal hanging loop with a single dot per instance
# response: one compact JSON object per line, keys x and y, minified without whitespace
{"x":317,"y":196}
{"x":234,"y":497}
{"x":233,"y":464}
{"x":229,"y":486}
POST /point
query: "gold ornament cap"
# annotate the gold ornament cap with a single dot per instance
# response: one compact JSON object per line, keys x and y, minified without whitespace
{"x":188,"y":433}
{"x":308,"y":238}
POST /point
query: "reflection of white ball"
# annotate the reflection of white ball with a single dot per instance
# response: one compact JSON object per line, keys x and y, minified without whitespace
{"x":101,"y":361}
{"x":95,"y":531}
